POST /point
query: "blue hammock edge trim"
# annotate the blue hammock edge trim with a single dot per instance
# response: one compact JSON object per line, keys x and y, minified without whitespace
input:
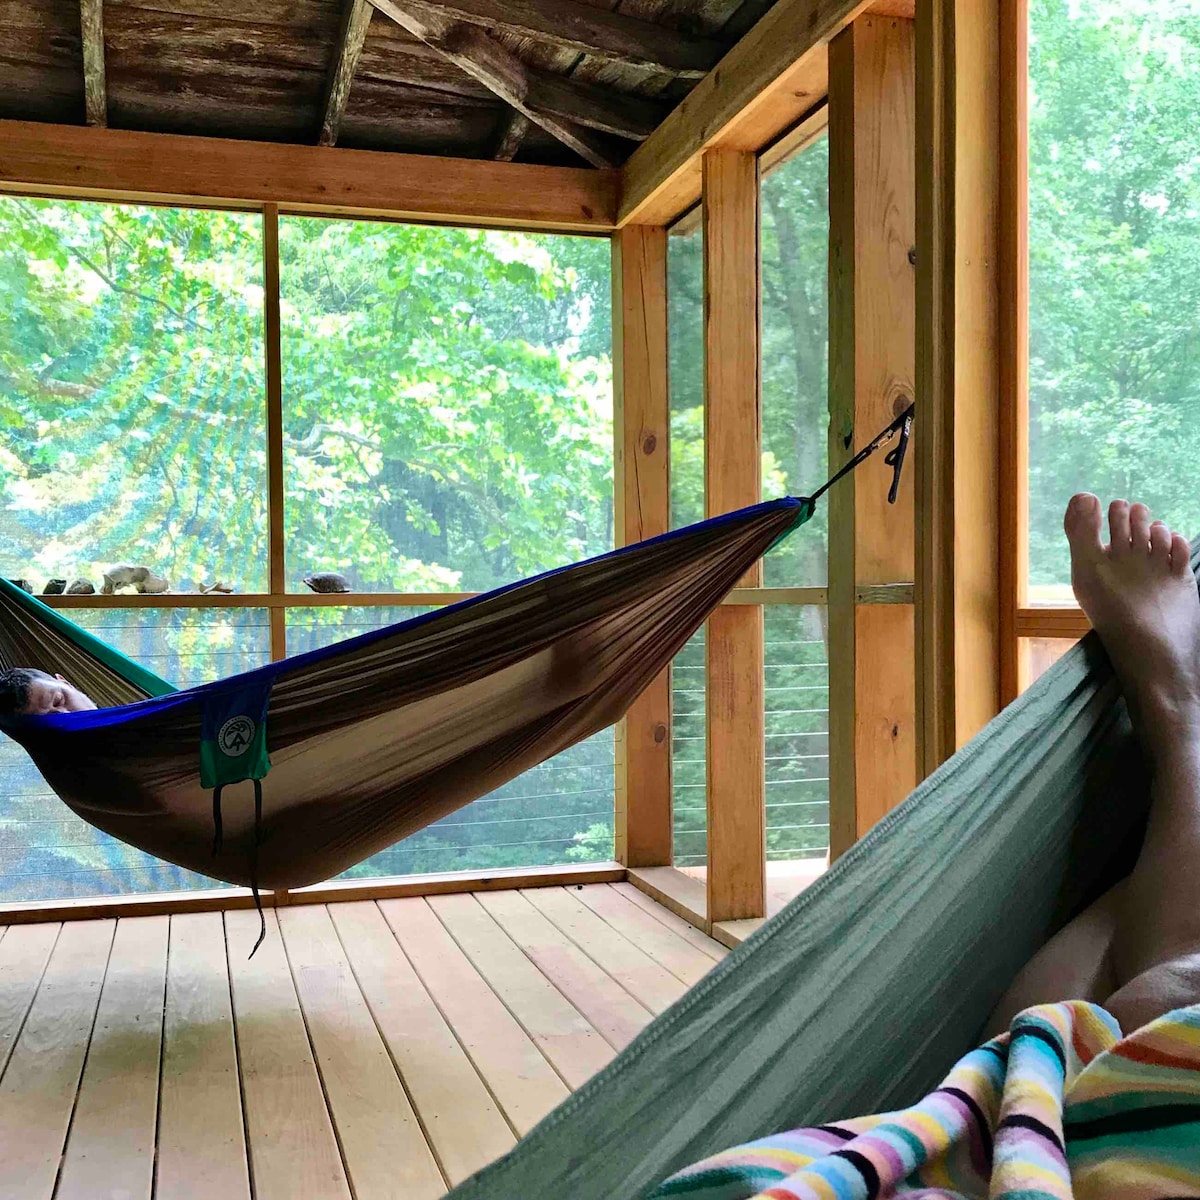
{"x":265,"y":676}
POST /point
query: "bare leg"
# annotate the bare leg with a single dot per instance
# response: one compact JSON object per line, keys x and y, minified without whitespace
{"x":1137,"y":950}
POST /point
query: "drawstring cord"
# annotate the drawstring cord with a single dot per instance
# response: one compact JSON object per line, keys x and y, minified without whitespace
{"x":216,"y":849}
{"x":217,"y":832}
{"x":262,"y":918}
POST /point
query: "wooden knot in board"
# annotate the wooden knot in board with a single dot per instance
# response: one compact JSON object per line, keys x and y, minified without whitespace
{"x":650,"y":444}
{"x":660,"y":734}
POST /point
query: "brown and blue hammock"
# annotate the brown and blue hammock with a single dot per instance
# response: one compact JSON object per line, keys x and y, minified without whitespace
{"x":291,"y":773}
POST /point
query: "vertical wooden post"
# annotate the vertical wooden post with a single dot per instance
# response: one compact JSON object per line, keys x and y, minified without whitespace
{"x":732,"y":478}
{"x":958,"y":378}
{"x":277,"y":579}
{"x":1014,"y":344}
{"x":641,"y":424}
{"x":871,"y":344}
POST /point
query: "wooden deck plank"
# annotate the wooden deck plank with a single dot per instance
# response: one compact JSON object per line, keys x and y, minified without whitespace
{"x":37,"y":1093}
{"x":465,"y":1128}
{"x":110,"y":1149}
{"x":564,"y":1036}
{"x":601,"y":999}
{"x":23,"y":956}
{"x":522,"y":1081}
{"x":384,"y":1150}
{"x":672,"y":921}
{"x":635,"y":971}
{"x":667,"y":948}
{"x":201,"y":1136}
{"x":292,"y":1148}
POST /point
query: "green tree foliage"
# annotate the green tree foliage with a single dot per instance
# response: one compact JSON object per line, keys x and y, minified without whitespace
{"x":1114,"y":262}
{"x":447,"y":398}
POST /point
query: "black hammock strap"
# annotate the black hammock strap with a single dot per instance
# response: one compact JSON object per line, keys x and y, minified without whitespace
{"x":218,"y":837}
{"x":894,"y":459}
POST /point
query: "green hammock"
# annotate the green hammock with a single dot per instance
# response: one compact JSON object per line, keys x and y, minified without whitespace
{"x":869,"y":985}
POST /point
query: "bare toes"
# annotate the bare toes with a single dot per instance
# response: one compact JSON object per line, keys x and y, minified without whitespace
{"x":1118,"y":528}
{"x":1181,"y":555}
{"x":1139,"y":528}
{"x":1160,"y":543}
{"x":1081,"y":523}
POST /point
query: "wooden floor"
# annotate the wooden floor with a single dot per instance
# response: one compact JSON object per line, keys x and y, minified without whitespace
{"x":369,"y":1050}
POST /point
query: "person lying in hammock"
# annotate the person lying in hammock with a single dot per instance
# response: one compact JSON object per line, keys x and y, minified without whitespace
{"x":1091,"y":1085}
{"x":28,"y":692}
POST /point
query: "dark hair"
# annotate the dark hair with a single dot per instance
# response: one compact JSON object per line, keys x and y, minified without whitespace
{"x":14,"y":689}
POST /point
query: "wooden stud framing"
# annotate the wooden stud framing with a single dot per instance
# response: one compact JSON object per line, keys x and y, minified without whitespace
{"x":111,"y":164}
{"x":736,"y":776}
{"x":356,"y":19}
{"x":641,"y":425}
{"x":276,"y":551}
{"x":872,"y":748}
{"x":95,"y":89}
{"x":958,"y":376}
{"x":513,"y":129}
{"x":1014,"y":345}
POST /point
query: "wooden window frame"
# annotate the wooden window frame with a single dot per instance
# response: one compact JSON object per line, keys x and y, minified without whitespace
{"x":277,"y":601}
{"x":1020,"y":621}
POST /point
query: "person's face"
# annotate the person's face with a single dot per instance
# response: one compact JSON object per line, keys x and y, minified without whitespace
{"x":54,"y":696}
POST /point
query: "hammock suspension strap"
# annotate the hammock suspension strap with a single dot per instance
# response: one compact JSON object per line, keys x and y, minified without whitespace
{"x":902,"y":425}
{"x":216,"y":850}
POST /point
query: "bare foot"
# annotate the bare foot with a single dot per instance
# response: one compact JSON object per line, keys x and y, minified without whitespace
{"x":1141,"y":597}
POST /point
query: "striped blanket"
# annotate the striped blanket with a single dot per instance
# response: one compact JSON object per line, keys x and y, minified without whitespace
{"x":1060,"y":1106}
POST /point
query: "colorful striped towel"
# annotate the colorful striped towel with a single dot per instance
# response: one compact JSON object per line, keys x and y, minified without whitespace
{"x":1061,"y":1106}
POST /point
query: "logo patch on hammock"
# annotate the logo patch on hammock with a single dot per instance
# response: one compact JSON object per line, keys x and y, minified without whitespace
{"x":233,"y":737}
{"x":236,"y":736}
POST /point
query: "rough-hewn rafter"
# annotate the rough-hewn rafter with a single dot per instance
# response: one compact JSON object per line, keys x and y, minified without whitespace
{"x":575,"y":26}
{"x":512,"y":134}
{"x":356,"y":17}
{"x":95,"y":93}
{"x":501,"y":72}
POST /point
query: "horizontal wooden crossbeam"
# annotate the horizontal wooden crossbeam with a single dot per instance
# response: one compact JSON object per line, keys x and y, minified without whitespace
{"x":110,"y":164}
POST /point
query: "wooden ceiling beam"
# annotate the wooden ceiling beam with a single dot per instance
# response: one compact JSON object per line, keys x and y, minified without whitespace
{"x":512,"y":134}
{"x":572,"y":25}
{"x":356,"y":18}
{"x":120,"y":165}
{"x":95,"y":92}
{"x":768,"y":82}
{"x":499,"y":70}
{"x":595,"y":107}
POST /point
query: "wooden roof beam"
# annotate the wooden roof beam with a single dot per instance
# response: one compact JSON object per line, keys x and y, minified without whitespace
{"x":356,"y":18}
{"x":95,"y":93}
{"x":572,"y":25}
{"x":499,"y":70}
{"x":769,"y":81}
{"x":512,"y":134}
{"x":120,"y":165}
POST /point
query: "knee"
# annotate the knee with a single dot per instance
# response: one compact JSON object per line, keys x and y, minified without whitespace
{"x":1156,"y":991}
